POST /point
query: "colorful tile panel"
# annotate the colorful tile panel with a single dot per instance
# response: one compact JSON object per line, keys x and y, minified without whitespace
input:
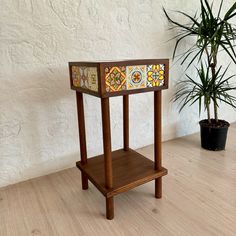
{"x":85,"y":77}
{"x":136,"y":77}
{"x":155,"y":75}
{"x":120,"y":78}
{"x":115,"y":78}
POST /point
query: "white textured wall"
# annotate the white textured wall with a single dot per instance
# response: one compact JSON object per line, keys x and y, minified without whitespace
{"x":38,"y":123}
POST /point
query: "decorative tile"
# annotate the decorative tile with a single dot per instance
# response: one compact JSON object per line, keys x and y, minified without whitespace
{"x":75,"y":76}
{"x":85,"y":77}
{"x":155,"y":75}
{"x":118,"y":78}
{"x":136,"y":77}
{"x":92,"y":78}
{"x":115,"y":78}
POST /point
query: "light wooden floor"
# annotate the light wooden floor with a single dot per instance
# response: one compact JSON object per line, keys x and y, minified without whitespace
{"x":199,"y":198}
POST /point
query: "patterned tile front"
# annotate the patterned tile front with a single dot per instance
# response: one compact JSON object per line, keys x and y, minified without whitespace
{"x":136,"y":77}
{"x":85,"y":77}
{"x":115,"y":78}
{"x":119,"y":78}
{"x":155,"y":75}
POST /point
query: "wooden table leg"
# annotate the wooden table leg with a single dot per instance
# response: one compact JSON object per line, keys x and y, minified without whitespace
{"x":126,"y":122}
{"x":107,"y":155}
{"x":157,"y":141}
{"x":82,"y":136}
{"x":110,"y":208}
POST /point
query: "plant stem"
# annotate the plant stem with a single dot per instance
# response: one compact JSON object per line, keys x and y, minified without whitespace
{"x":208,"y":112}
{"x":215,"y":110}
{"x":213,"y":71}
{"x":207,"y":104}
{"x":208,"y":56}
{"x":212,"y":62}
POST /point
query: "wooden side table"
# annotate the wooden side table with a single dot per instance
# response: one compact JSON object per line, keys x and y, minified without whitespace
{"x":116,"y":172}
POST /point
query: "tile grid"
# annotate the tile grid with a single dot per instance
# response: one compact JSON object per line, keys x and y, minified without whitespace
{"x":118,"y":78}
{"x":134,"y":77}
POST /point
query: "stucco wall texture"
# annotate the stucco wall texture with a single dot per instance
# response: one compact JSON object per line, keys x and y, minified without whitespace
{"x":38,"y":120}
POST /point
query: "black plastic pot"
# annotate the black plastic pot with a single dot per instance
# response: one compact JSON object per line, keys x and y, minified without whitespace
{"x":213,"y":137}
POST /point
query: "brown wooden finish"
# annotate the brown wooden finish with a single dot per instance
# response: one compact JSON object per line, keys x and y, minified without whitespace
{"x":84,"y":90}
{"x":88,"y":64}
{"x":158,"y":188}
{"x":107,"y":162}
{"x":157,"y":141}
{"x":133,"y":91}
{"x":130,"y":169}
{"x":126,"y":121}
{"x":99,"y":80}
{"x":120,"y":63}
{"x":166,"y":82}
{"x":82,"y":137}
{"x":110,"y":208}
{"x":157,"y":129}
{"x":106,"y":142}
{"x":102,"y":79}
{"x":119,"y":171}
{"x":70,"y":73}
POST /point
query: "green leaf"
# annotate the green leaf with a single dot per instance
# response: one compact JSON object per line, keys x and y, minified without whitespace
{"x":230,"y":45}
{"x":229,"y":12}
{"x":234,"y":60}
{"x":178,"y":24}
{"x":177,"y":42}
{"x":218,"y":15}
{"x":209,"y":9}
{"x":191,"y":18}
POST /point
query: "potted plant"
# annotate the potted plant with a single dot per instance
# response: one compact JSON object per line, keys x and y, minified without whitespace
{"x":212,"y":34}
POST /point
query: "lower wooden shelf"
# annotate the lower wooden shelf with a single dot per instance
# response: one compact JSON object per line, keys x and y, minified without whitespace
{"x":130,"y":169}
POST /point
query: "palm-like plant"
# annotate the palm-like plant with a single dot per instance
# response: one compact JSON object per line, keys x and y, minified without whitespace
{"x":205,"y":89}
{"x":213,"y":33}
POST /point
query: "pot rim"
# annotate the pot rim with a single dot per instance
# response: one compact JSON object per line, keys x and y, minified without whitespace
{"x":207,"y":125}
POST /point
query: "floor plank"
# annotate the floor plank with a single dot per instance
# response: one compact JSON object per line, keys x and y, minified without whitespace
{"x":199,"y":198}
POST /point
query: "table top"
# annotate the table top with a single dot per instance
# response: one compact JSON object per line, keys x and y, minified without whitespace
{"x":116,"y":78}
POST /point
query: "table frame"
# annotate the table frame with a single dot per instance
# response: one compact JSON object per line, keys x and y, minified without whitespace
{"x":108,"y":167}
